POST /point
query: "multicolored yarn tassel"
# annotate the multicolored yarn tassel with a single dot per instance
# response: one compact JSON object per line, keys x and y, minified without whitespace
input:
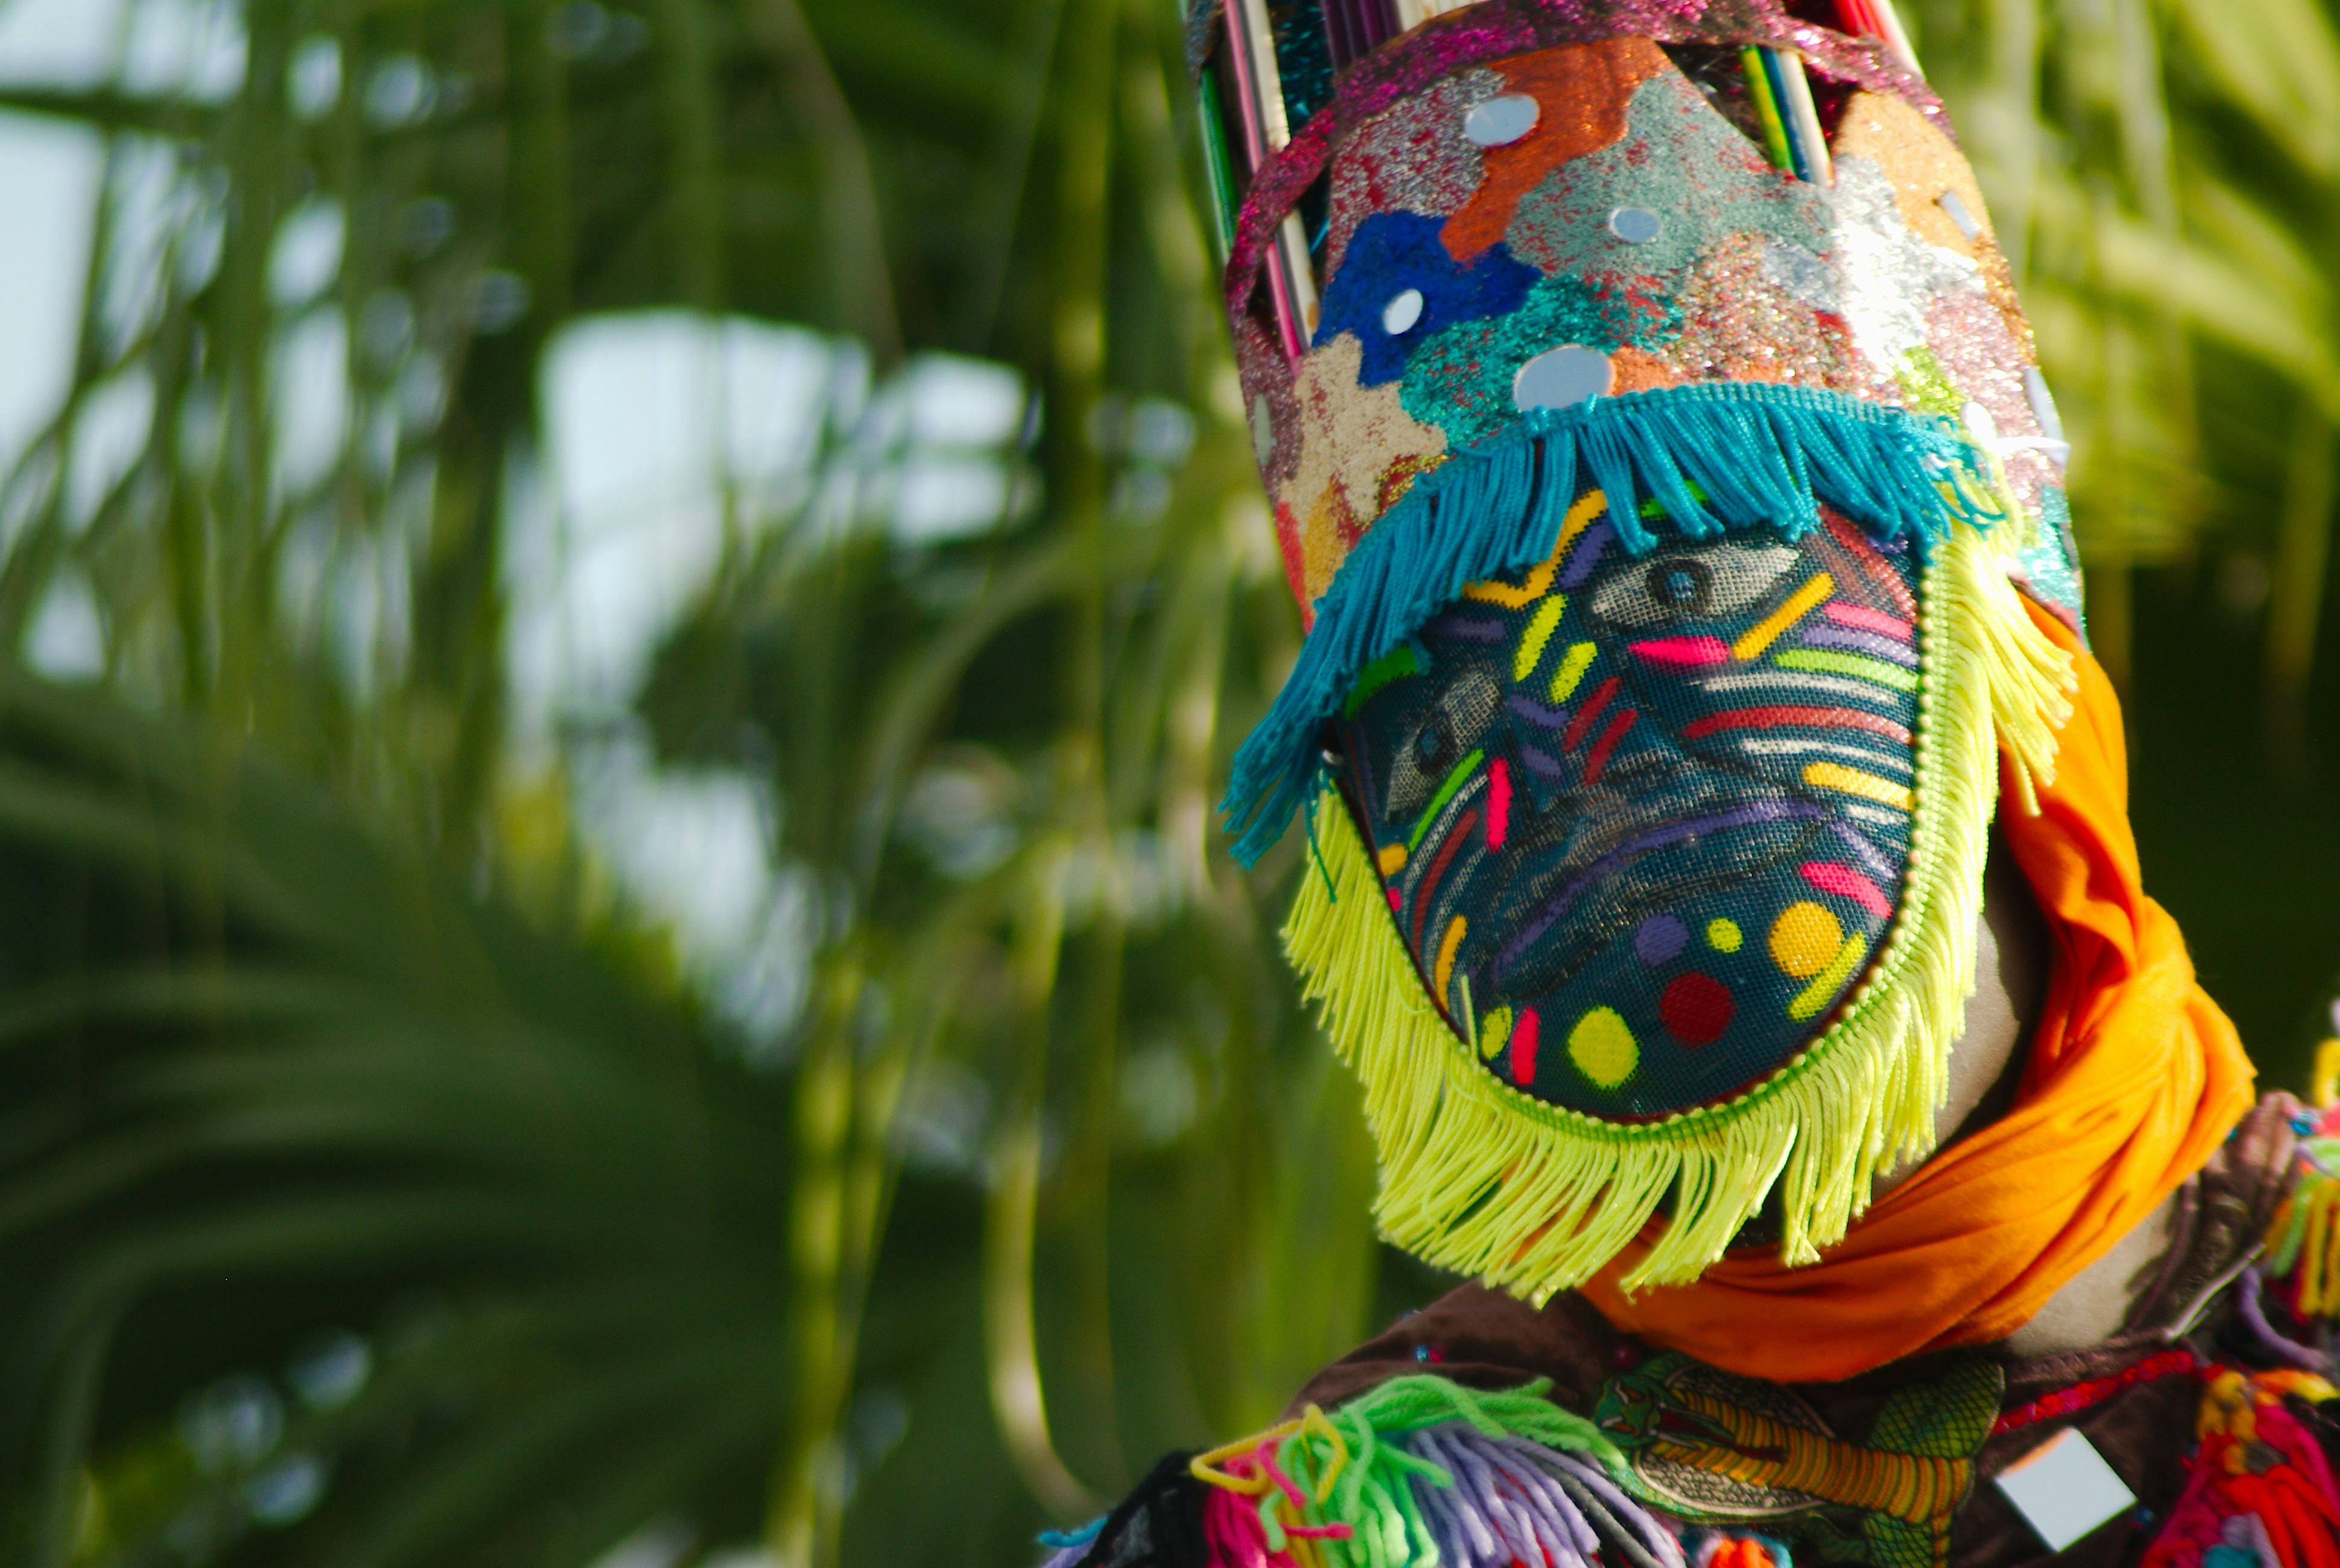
{"x":2303,"y":1242}
{"x":1482,"y":1179}
{"x":1422,"y":1472}
{"x":1713,"y":457}
{"x":2259,"y":1491}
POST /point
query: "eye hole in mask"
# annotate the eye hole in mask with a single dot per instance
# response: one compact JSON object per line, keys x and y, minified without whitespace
{"x":1442,"y":733}
{"x":1693,"y":582}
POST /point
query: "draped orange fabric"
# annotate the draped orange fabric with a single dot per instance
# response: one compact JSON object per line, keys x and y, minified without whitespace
{"x":2134,"y":1078}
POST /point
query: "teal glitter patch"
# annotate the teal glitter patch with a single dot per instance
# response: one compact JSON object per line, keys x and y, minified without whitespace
{"x":2052,"y":568}
{"x":1461,"y":380}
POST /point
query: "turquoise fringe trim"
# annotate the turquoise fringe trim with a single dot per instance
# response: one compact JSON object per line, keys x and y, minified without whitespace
{"x":1728,"y":455}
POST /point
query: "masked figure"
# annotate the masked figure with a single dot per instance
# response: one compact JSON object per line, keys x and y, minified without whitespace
{"x":1661,"y":461}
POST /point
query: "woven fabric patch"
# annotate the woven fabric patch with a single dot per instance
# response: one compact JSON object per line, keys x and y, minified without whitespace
{"x":1643,"y":820}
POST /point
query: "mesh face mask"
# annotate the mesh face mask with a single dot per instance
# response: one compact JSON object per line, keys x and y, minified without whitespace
{"x":1660,"y":479}
{"x":1663,"y":812}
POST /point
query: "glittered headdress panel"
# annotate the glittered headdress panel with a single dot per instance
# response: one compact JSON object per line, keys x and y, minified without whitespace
{"x":1656,"y":446}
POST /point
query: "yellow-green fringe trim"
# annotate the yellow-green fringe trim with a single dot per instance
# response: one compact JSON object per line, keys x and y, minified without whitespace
{"x":1480,"y":1178}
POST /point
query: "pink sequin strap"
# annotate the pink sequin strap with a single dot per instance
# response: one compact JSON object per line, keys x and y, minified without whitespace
{"x":1498,"y":29}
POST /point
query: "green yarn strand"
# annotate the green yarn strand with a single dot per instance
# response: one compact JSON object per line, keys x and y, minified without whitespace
{"x":1374,"y":1475}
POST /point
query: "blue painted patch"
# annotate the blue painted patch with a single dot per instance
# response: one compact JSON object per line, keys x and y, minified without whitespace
{"x":1394,"y":252}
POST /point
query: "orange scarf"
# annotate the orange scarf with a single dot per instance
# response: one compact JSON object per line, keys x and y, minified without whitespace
{"x":2135,"y":1079}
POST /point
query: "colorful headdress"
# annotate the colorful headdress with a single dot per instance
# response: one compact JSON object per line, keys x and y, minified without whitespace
{"x":1657,"y":450}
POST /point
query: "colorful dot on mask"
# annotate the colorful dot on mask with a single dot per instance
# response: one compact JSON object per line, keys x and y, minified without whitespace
{"x":1724,"y":936}
{"x":1696,"y":1008}
{"x":1661,"y":940}
{"x":1604,"y":1049}
{"x":1805,"y":939}
{"x":1494,"y":1032}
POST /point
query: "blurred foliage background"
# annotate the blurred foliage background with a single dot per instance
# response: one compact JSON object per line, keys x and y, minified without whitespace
{"x":614,"y":952}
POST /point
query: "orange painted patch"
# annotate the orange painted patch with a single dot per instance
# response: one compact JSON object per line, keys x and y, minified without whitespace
{"x":1638,"y":371}
{"x":1583,"y":89}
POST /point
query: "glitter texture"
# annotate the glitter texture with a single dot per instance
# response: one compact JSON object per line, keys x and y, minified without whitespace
{"x":1351,"y":438}
{"x":1985,"y":361}
{"x":1461,"y":381}
{"x":1502,"y":28}
{"x":1400,"y":253}
{"x":1740,"y":325}
{"x":1585,"y":90}
{"x":2050,"y":570}
{"x":1417,"y":160}
{"x":1884,"y":275}
{"x":1683,"y":162}
{"x":1867,"y":286}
